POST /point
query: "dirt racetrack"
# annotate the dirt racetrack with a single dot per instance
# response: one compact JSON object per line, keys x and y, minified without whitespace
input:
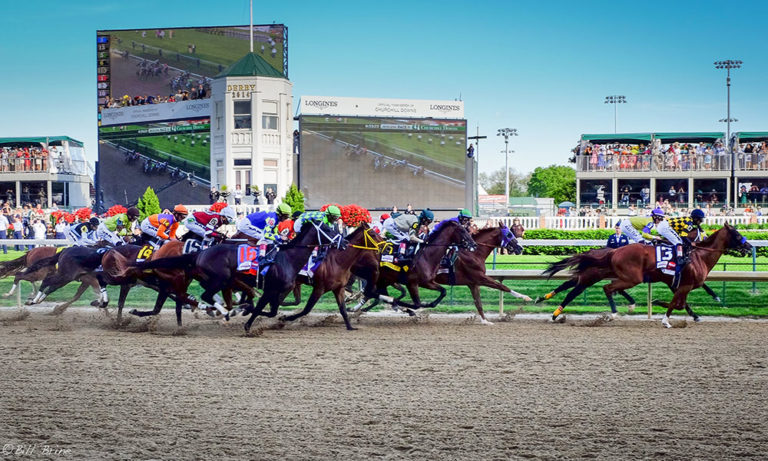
{"x":440,"y":388}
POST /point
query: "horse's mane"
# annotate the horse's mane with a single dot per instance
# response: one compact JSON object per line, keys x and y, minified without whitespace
{"x":711,"y":238}
{"x":305,"y":229}
{"x":433,"y":235}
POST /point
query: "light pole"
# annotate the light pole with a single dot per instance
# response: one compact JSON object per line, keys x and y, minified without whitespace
{"x":615,"y":100}
{"x":729,"y":64}
{"x":506,"y":132}
{"x":475,"y":152}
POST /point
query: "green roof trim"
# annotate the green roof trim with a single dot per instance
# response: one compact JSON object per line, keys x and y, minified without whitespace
{"x":41,"y":139}
{"x":752,"y":136}
{"x":251,"y":65}
{"x":695,"y":136}
{"x":617,"y":137}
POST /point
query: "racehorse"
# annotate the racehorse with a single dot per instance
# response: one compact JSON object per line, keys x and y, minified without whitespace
{"x":335,"y":270}
{"x":281,"y":275}
{"x":74,"y":263}
{"x":18,"y":267}
{"x":592,"y":272}
{"x":469,"y":268}
{"x":171,"y":281}
{"x":633,"y":264}
{"x":426,"y":262}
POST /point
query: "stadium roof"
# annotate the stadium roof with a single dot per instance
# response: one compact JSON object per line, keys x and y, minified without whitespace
{"x":620,"y":137}
{"x":690,"y":137}
{"x":752,"y":135}
{"x":41,"y":139}
{"x":251,"y":65}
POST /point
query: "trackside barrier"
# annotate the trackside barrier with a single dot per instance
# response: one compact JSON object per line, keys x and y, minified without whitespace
{"x":595,"y":222}
{"x":714,"y":276}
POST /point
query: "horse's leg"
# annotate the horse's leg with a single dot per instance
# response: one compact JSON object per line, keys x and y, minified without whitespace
{"x":317,"y":292}
{"x":256,"y":311}
{"x":124,"y":289}
{"x":63,"y":306}
{"x":678,"y":302}
{"x":413,"y":290}
{"x":629,"y":299}
{"x":475,"y":290}
{"x":563,"y":286}
{"x":49,"y":285}
{"x":576,"y":291}
{"x":162,"y":295}
{"x":711,"y":293}
{"x":340,"y":301}
{"x":296,"y":296}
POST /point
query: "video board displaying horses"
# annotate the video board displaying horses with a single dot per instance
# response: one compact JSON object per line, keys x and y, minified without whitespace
{"x":379,"y":162}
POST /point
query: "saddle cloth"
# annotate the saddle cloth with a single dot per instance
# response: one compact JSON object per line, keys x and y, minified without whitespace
{"x":665,"y":259}
{"x":389,"y":260}
{"x":246,"y":254}
{"x":144,"y":253}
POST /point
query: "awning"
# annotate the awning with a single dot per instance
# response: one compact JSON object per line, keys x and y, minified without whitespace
{"x":623,"y":138}
{"x":748,"y":136}
{"x":56,"y":140}
{"x":667,"y":138}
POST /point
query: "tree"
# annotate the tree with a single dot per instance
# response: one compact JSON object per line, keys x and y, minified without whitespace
{"x":556,"y":181}
{"x":294,"y":198}
{"x":494,"y":183}
{"x":148,"y":204}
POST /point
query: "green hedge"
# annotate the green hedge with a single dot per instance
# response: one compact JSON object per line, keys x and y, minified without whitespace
{"x":601,"y":234}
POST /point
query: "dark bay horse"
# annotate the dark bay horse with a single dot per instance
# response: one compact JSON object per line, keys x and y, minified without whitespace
{"x":423,"y":271}
{"x":77,"y":263}
{"x":281,"y":276}
{"x":335,"y":270}
{"x":633,"y":264}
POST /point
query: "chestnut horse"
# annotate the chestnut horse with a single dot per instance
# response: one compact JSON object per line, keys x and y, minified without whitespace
{"x":18,"y":268}
{"x":633,"y":264}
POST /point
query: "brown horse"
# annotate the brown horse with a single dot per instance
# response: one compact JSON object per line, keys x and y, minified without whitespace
{"x":633,"y":264}
{"x":334,"y":272}
{"x":168,"y":281}
{"x":17,"y":267}
{"x":73,"y":264}
{"x":423,"y":271}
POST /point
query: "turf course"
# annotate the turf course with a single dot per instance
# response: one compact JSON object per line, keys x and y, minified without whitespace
{"x":739,"y":299}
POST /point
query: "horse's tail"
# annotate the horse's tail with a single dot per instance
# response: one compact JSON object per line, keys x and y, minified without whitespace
{"x":43,"y":263}
{"x":581,"y":261}
{"x":12,"y":266}
{"x":185,"y":262}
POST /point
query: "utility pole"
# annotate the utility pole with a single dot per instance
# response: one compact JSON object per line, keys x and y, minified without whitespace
{"x":506,"y":132}
{"x":615,"y":100}
{"x":475,"y":152}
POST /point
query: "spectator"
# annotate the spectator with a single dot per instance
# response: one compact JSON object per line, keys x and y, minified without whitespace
{"x":617,"y":240}
{"x":213,"y":195}
{"x":270,"y":196}
{"x":61,"y":228}
{"x":238,"y":195}
{"x":4,"y":231}
{"x":517,"y":229}
{"x":18,"y":230}
{"x":39,"y":230}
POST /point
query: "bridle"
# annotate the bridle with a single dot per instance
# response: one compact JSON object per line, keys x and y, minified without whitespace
{"x":370,"y":243}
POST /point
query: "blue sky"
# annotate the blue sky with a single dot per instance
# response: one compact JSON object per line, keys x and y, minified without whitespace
{"x":543,"y":67}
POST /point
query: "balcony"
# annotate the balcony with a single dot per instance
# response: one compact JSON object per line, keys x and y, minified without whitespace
{"x":658,"y":162}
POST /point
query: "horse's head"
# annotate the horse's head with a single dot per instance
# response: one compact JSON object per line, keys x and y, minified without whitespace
{"x":453,"y":233}
{"x":326,"y":235}
{"x":736,"y":241}
{"x":509,"y":241}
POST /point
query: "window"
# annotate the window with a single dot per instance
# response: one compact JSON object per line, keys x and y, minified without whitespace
{"x":269,"y":121}
{"x":242,"y":162}
{"x":243,"y":115}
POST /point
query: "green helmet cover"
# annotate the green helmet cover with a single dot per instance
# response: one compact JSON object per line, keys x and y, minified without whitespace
{"x":333,"y":210}
{"x":427,"y":214}
{"x":284,"y":209}
{"x":465,"y":213}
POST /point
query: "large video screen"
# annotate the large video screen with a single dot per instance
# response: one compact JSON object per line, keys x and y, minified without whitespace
{"x":381,"y":162}
{"x":153,"y":90}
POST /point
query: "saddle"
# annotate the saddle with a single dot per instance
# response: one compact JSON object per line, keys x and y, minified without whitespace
{"x":670,"y":263}
{"x":448,"y":263}
{"x":391,"y":260}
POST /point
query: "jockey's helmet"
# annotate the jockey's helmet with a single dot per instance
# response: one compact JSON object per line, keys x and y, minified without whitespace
{"x":180,"y":209}
{"x":133,"y":213}
{"x":284,"y":210}
{"x":384,"y":217}
{"x":697,"y":214}
{"x":333,"y":213}
{"x":464,"y":216}
{"x":657,"y":213}
{"x":94,"y":222}
{"x":228,"y":213}
{"x":426,"y":216}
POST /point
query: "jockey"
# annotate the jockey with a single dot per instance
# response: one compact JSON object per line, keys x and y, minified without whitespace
{"x":631,"y":225}
{"x":116,"y":227}
{"x":82,"y":234}
{"x":378,"y":227}
{"x":681,"y":227}
{"x":204,"y":223}
{"x":262,"y":225}
{"x":330,"y":216}
{"x":404,"y":229}
{"x":464,"y":218}
{"x":159,"y":228}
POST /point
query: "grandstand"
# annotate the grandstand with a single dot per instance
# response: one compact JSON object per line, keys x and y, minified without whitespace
{"x":679,"y":170}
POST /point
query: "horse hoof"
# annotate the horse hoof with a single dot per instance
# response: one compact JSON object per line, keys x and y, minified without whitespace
{"x":697,"y":319}
{"x":665,"y":322}
{"x":133,"y":312}
{"x":631,"y":308}
{"x":96,"y":303}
